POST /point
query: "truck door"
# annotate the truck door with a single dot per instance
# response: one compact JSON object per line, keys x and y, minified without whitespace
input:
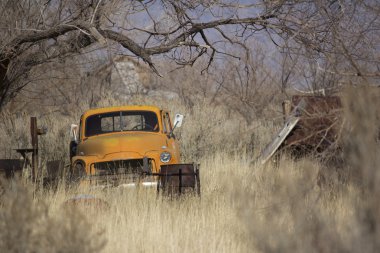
{"x":167,"y":128}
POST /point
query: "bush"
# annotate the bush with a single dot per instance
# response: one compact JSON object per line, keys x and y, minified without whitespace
{"x":27,"y":225}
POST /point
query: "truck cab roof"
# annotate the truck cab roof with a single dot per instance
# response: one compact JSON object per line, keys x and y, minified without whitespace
{"x":122,"y":108}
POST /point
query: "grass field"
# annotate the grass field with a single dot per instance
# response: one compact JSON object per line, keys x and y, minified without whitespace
{"x":243,"y":208}
{"x":290,"y":206}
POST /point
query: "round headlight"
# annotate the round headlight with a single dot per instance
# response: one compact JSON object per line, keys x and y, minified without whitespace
{"x":165,"y":157}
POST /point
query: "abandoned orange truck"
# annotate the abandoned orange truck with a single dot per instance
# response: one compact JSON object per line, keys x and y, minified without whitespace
{"x":117,"y":145}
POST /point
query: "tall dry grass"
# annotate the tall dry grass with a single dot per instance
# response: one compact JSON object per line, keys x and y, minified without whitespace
{"x":295,"y":206}
{"x":242,"y":209}
{"x":28,"y":224}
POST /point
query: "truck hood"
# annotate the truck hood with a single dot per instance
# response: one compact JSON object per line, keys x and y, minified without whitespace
{"x":141,"y":143}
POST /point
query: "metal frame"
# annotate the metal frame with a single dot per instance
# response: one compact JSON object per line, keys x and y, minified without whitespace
{"x":34,"y":133}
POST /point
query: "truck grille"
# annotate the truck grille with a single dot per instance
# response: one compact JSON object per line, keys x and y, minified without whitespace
{"x":120,"y":167}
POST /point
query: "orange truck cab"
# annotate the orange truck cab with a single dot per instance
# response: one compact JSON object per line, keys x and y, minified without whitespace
{"x":116,"y":145}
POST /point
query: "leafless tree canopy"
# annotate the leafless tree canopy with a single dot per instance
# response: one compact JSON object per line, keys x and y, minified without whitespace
{"x":339,"y":37}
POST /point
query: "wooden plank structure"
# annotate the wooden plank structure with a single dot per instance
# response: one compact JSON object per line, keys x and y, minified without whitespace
{"x":312,"y":124}
{"x":8,"y":167}
{"x":318,"y":125}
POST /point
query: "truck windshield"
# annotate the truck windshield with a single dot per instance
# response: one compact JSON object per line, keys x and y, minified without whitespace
{"x":121,"y":121}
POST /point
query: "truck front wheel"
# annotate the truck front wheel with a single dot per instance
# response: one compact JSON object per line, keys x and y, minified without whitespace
{"x":77,"y":172}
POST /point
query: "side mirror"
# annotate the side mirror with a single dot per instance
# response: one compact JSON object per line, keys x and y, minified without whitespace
{"x":177,"y":123}
{"x":74,"y":132}
{"x":178,"y":120}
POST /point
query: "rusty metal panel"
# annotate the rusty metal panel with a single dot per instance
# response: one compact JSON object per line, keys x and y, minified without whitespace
{"x":319,"y":122}
{"x":173,"y":169}
{"x":312,"y":125}
{"x":177,"y":178}
{"x":8,"y":167}
{"x":318,"y":104}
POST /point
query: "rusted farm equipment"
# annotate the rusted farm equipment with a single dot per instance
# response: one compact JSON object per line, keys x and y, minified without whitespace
{"x":311,"y":124}
{"x":11,"y":167}
{"x":34,"y":133}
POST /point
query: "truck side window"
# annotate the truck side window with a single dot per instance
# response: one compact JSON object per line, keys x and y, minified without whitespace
{"x":163,"y":122}
{"x":80,"y":129}
{"x":166,"y":123}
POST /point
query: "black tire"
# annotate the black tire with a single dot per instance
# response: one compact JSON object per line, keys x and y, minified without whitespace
{"x":77,"y":173}
{"x":73,"y":149}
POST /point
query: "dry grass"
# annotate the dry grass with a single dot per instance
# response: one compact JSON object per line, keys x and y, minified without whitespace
{"x":28,"y":224}
{"x":244,"y":207}
{"x":139,"y":222}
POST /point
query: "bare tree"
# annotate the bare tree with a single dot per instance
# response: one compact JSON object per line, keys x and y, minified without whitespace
{"x":42,"y":30}
{"x":249,"y":88}
{"x":338,"y":46}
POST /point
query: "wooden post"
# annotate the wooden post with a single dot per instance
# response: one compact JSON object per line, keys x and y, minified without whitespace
{"x":180,"y":181}
{"x":34,"y":135}
{"x":35,"y":132}
{"x":286,"y":108}
{"x":198,"y":180}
